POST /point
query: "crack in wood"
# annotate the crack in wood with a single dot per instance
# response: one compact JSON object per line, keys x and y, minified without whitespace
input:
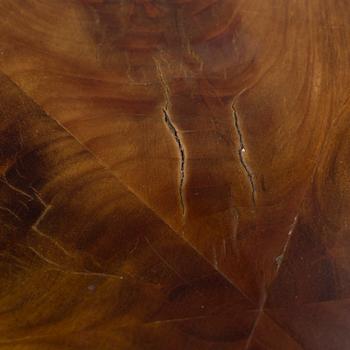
{"x":241,"y":152}
{"x":182,"y":157}
{"x":174,"y":132}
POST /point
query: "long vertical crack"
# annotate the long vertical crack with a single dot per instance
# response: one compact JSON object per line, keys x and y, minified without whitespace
{"x":175,"y":134}
{"x":241,"y":152}
{"x":182,"y":157}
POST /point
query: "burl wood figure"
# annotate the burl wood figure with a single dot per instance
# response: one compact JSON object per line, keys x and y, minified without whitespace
{"x":174,"y":175}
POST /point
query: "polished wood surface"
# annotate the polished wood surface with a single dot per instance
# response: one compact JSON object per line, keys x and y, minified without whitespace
{"x":174,"y":174}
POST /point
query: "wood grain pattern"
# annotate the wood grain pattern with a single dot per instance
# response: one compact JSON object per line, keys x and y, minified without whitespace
{"x":174,"y":174}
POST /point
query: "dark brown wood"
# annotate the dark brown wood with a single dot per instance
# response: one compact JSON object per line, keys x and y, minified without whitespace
{"x":174,"y":174}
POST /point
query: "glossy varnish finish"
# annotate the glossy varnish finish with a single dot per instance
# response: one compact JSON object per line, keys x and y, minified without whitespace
{"x":174,"y":174}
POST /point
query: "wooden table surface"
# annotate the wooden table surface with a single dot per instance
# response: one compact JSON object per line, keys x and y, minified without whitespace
{"x":174,"y":174}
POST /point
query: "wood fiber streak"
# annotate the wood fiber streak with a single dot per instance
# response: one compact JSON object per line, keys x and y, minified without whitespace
{"x":174,"y":174}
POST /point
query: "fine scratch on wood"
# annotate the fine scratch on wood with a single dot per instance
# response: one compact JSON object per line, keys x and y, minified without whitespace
{"x":174,"y":320}
{"x":11,"y":212}
{"x":241,"y":152}
{"x":44,"y":258}
{"x":60,"y":268}
{"x":264,"y":294}
{"x":41,"y":217}
{"x":38,"y":196}
{"x":95,"y":274}
{"x":164,"y":260}
{"x":279,"y":259}
{"x":53,"y":241}
{"x":4,"y":180}
{"x":257,"y":320}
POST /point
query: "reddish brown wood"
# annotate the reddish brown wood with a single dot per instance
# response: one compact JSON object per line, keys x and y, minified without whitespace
{"x":174,"y":174}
